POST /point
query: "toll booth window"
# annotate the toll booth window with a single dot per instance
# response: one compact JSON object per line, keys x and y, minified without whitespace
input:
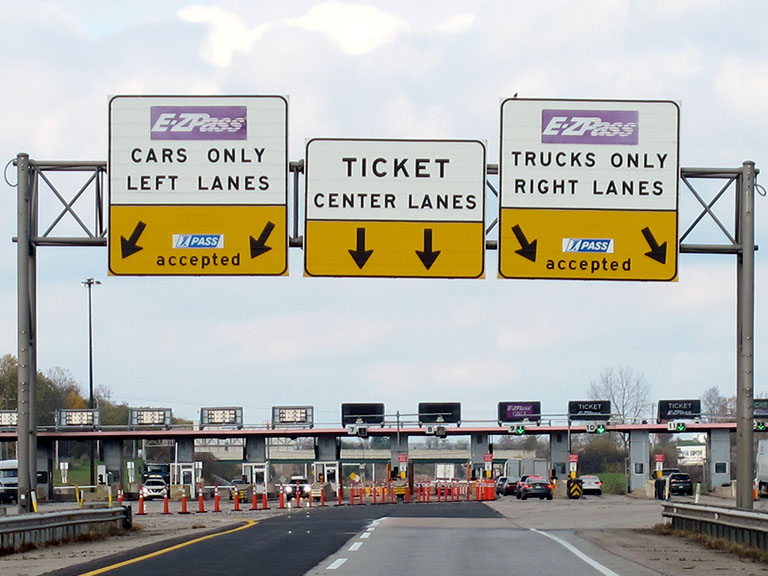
{"x":721,"y":467}
{"x":639,"y":468}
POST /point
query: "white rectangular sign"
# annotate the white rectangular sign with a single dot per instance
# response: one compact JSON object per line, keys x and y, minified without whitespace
{"x":589,"y":154}
{"x":395,"y":180}
{"x":180,"y":150}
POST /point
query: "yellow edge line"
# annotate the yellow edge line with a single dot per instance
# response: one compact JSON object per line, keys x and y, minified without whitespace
{"x":248,"y":524}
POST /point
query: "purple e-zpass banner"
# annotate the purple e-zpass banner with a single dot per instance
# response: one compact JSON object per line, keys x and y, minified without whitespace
{"x":517,"y":411}
{"x":198,"y":123}
{"x":589,"y":127}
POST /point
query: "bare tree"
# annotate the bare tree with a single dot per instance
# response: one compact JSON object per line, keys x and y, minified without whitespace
{"x":715,"y":406}
{"x":628,"y":392}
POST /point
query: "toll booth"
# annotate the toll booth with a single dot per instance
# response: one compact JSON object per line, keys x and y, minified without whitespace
{"x":186,"y":476}
{"x":257,"y":475}
{"x":328,"y":473}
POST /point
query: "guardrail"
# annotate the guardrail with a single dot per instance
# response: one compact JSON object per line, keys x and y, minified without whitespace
{"x":744,"y":527}
{"x":27,"y":531}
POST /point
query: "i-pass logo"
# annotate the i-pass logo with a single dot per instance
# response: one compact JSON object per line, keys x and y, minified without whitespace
{"x":198,"y":123}
{"x":198,"y":241}
{"x":594,"y":245}
{"x":589,"y":127}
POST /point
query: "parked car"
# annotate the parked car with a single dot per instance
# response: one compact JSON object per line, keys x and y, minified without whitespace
{"x":297,"y":485}
{"x":535,"y":486}
{"x":154,"y":488}
{"x":510,"y":486}
{"x":591,"y":484}
{"x":500,"y":481}
{"x":680,"y":483}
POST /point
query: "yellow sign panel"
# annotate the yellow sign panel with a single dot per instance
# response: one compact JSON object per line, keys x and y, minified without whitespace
{"x":198,"y":240}
{"x":394,"y":249}
{"x":588,"y":244}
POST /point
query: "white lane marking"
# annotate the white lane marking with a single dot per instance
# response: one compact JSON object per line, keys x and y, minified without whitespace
{"x":570,"y":547}
{"x":336,"y":564}
{"x":371,"y":529}
{"x":365,"y":535}
{"x":355,"y":546}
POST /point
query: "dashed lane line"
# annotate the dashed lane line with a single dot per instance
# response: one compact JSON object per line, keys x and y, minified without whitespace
{"x":336,"y":564}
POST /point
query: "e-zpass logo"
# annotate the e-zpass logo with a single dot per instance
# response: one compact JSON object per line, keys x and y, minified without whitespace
{"x":589,"y":126}
{"x":198,"y":241}
{"x":198,"y":123}
{"x":595,"y":245}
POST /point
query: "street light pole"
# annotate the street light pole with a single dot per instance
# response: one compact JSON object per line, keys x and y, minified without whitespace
{"x":89,"y":283}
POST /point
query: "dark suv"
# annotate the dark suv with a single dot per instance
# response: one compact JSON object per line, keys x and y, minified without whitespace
{"x":680,"y":483}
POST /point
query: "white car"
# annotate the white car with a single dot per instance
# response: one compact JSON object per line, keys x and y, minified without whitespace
{"x":591,"y":484}
{"x":154,"y":488}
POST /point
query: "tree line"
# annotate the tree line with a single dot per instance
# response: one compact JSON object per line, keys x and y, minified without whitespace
{"x":55,"y":390}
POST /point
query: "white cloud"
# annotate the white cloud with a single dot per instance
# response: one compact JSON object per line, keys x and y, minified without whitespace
{"x":743,"y":85}
{"x":228,"y":33}
{"x":284,"y":338}
{"x":358,"y":28}
{"x":405,"y":120}
{"x":665,"y":9}
{"x":456,"y":24}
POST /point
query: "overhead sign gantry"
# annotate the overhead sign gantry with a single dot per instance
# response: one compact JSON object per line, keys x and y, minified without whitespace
{"x":589,"y":189}
{"x":395,"y":208}
{"x":198,"y":185}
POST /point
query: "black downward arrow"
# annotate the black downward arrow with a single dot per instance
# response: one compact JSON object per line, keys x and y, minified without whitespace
{"x":658,"y":253}
{"x":128,"y":247}
{"x":259,"y":245}
{"x":360,"y":255}
{"x":427,"y":256}
{"x":527,"y":249}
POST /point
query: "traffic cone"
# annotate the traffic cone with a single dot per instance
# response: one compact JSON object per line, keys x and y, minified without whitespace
{"x":200,"y":501}
{"x":165,"y":501}
{"x":141,"y":511}
{"x":281,"y":498}
{"x":120,"y":494}
{"x":184,"y":503}
{"x":322,"y":496}
{"x":216,"y":499}
{"x":254,"y":499}
{"x":236,"y":498}
{"x":264,"y":505}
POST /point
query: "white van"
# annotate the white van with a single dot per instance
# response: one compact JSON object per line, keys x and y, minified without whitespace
{"x":9,"y":480}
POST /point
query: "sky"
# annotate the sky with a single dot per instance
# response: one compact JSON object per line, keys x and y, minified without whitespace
{"x":398,"y":70}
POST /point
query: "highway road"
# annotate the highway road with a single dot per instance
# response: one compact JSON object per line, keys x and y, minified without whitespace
{"x":595,"y":536}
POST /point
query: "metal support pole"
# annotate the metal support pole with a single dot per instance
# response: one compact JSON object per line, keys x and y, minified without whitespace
{"x":745,"y":311}
{"x":89,"y":283}
{"x":25,"y":341}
